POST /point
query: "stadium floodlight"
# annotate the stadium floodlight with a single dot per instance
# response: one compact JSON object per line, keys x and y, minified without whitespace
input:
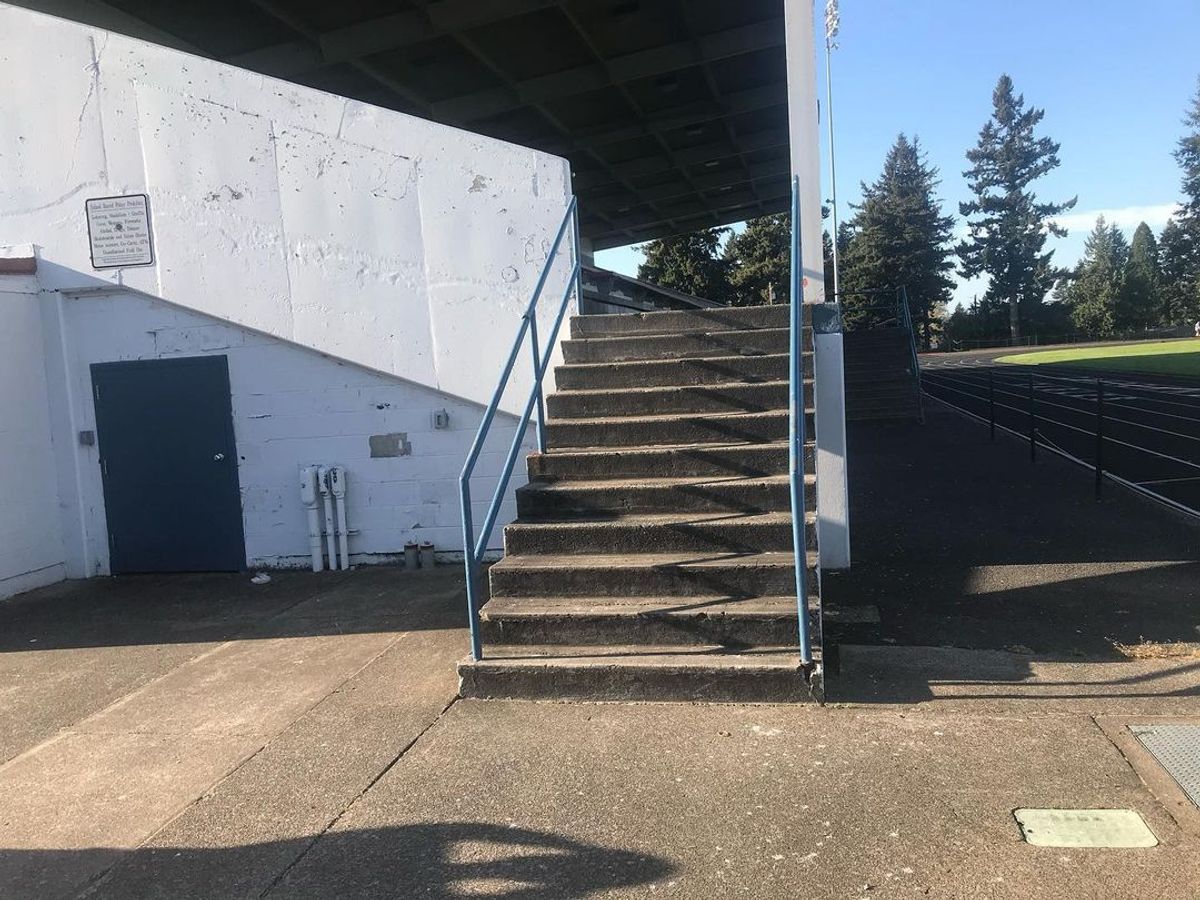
{"x":833,"y":20}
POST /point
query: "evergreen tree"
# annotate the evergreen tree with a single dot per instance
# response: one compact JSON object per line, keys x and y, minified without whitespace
{"x":1187,"y":154}
{"x":1093,"y":289}
{"x":689,"y":263}
{"x":827,"y":257}
{"x":1180,"y":248}
{"x":1007,"y":225}
{"x":900,"y":239}
{"x":1177,"y":262}
{"x":759,"y":260}
{"x":1139,"y":305}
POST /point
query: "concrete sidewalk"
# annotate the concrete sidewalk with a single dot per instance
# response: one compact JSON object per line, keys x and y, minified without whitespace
{"x":125,"y":702}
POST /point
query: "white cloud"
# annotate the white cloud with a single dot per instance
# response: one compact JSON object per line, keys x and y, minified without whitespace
{"x":1124,"y":217}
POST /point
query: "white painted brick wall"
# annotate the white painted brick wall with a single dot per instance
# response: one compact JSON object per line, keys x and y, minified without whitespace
{"x":31,"y":547}
{"x":381,"y":238}
{"x":293,"y":406}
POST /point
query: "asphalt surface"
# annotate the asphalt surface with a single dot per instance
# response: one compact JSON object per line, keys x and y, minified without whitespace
{"x":1150,"y":424}
{"x":958,"y":541}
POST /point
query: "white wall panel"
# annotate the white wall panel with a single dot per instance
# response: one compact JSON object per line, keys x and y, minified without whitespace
{"x":31,"y":547}
{"x":378,"y":237}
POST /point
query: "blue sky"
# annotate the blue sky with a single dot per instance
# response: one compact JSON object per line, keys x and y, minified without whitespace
{"x":1114,"y":77}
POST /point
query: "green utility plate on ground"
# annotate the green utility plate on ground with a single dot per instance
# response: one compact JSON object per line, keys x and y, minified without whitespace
{"x":1084,"y":828}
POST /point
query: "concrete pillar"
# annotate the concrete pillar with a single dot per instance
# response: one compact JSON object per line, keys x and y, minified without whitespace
{"x":833,"y":516}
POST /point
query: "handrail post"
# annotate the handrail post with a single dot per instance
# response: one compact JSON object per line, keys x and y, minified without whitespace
{"x":1099,"y":437}
{"x":1032,"y":423}
{"x":537,"y":367}
{"x":992,"y":404}
{"x":578,"y":261}
{"x":471,"y":564}
{"x":796,"y":430}
{"x":912,"y":346}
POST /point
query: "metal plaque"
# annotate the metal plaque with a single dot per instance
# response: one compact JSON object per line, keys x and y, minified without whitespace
{"x":119,"y":231}
{"x":1084,"y":828}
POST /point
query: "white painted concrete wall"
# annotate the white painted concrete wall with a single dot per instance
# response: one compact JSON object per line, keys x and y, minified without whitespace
{"x":383,"y":239}
{"x":31,"y":546}
{"x":291,"y":407}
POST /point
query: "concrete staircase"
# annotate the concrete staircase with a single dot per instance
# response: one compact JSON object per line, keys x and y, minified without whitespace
{"x":651,"y":558}
{"x":880,"y":381}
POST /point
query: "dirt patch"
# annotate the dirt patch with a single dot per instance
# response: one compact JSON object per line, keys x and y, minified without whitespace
{"x":1156,"y":650}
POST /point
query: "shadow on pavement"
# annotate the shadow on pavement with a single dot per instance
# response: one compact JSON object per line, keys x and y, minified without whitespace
{"x":433,"y":860}
{"x":177,"y":609}
{"x":962,"y":543}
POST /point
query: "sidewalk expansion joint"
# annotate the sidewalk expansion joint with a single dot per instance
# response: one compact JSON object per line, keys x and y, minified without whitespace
{"x":275,"y":882}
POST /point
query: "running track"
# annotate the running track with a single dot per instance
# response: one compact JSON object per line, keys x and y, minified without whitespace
{"x":1151,"y":425}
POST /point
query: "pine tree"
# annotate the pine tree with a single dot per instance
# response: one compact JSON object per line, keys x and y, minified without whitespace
{"x":1008,"y":231}
{"x":900,"y":239}
{"x":1093,"y":289}
{"x":1180,"y":249}
{"x":689,"y":263}
{"x":1178,"y":260}
{"x":1187,"y":154}
{"x":827,"y":258}
{"x":1139,"y":305}
{"x":759,"y":260}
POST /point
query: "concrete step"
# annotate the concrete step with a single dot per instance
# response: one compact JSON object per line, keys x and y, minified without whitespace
{"x":884,"y":335}
{"x":686,"y":460}
{"x":894,"y":412}
{"x":900,"y":375}
{"x":850,"y":624}
{"x":692,"y":428}
{"x":858,"y":375}
{"x":675,"y":372}
{"x":889,"y":359}
{"x":732,"y":318}
{"x":716,"y":619}
{"x":687,"y":574}
{"x":888,"y":390}
{"x":713,"y":398}
{"x":612,"y":497}
{"x":755,"y":342}
{"x":647,"y":673}
{"x":720,"y":532}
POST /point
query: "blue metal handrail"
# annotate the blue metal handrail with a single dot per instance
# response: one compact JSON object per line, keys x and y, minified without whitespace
{"x":906,"y":321}
{"x":473,"y":550}
{"x":796,"y":430}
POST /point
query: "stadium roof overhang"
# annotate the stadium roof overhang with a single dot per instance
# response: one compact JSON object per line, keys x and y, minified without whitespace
{"x":673,"y":113}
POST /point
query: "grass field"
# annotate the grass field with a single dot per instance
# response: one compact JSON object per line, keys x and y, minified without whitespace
{"x":1178,"y":357}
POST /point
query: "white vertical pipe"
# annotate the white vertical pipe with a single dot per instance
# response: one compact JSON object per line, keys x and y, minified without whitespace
{"x":327,"y":502}
{"x":337,"y":484}
{"x":310,"y":497}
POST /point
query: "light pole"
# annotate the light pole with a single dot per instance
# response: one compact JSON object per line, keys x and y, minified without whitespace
{"x":832,"y":21}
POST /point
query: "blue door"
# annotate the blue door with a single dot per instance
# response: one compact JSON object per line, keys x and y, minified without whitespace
{"x":168,"y":461}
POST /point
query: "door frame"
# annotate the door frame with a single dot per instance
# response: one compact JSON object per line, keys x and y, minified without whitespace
{"x":218,"y":365}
